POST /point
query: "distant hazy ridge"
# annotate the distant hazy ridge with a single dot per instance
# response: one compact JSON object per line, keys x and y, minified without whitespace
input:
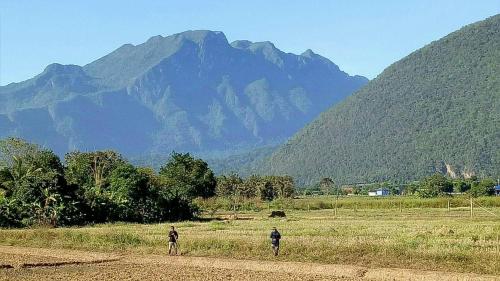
{"x":191,"y":91}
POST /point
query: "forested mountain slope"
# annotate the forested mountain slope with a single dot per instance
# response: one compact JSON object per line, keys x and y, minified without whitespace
{"x":440,"y":105}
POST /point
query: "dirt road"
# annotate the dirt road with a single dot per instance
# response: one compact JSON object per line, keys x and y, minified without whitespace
{"x":17,"y":263}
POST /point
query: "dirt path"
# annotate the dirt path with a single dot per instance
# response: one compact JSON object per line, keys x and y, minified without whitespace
{"x":17,"y":263}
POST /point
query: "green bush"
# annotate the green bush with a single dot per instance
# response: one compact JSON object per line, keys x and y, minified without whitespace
{"x":483,"y":188}
{"x":435,"y":185}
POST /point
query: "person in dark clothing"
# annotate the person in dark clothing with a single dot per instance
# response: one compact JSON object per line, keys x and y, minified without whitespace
{"x":275,"y":240}
{"x":172,"y":241}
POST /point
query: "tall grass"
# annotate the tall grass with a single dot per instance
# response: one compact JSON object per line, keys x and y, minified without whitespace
{"x":393,"y":202}
{"x":346,"y":202}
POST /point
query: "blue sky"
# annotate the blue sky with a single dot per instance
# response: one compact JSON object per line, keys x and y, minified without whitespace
{"x":362,"y":37}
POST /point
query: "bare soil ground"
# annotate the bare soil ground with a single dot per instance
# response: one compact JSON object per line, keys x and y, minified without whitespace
{"x":19,"y":263}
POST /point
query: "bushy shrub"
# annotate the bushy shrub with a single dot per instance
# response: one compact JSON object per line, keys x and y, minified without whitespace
{"x":484,"y":187}
{"x":435,"y":185}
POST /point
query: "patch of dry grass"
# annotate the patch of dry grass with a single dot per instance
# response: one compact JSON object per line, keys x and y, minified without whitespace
{"x":426,"y":239}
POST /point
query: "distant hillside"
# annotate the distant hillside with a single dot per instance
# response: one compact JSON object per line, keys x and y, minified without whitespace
{"x":191,"y":91}
{"x":440,"y":105}
{"x":243,"y":163}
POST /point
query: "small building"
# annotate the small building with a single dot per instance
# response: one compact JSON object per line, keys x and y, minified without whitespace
{"x":497,"y":190}
{"x":382,"y":192}
{"x":379,"y":192}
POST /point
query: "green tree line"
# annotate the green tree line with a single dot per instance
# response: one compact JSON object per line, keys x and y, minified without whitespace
{"x":432,"y":186}
{"x":37,"y":188}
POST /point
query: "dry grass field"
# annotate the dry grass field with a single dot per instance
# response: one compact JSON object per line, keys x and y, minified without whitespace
{"x":373,"y":244}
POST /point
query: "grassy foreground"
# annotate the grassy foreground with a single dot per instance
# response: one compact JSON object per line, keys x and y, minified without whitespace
{"x":419,"y":238}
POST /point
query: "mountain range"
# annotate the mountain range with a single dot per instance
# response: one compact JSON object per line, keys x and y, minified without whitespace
{"x":193,"y":91}
{"x":436,"y":110}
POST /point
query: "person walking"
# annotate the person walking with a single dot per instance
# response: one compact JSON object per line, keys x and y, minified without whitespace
{"x":275,"y":241}
{"x":172,"y":241}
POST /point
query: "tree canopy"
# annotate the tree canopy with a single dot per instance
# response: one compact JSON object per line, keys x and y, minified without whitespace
{"x":189,"y":176}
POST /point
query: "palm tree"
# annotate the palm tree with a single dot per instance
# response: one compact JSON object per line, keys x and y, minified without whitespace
{"x":11,"y":178}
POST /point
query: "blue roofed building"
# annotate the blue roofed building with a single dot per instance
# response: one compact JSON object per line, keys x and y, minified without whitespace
{"x":497,"y":190}
{"x":379,"y":192}
{"x":382,"y":192}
